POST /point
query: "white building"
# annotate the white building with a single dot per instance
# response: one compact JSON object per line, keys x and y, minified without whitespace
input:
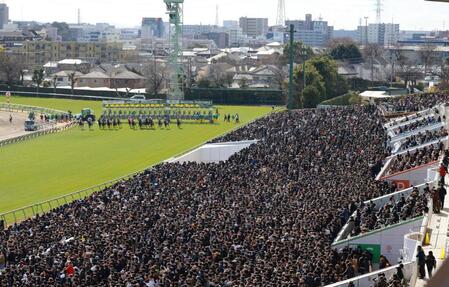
{"x":236,"y":37}
{"x":254,"y":27}
{"x":384,"y":34}
{"x":315,"y":33}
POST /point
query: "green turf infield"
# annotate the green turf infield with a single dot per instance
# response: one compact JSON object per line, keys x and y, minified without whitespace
{"x":50,"y":166}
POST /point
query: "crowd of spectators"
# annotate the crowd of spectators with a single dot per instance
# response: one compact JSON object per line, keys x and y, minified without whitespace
{"x":416,"y":158}
{"x":415,"y":102}
{"x":414,"y":116}
{"x":423,"y":138}
{"x":368,"y":217}
{"x":265,"y":217}
{"x":418,"y":124}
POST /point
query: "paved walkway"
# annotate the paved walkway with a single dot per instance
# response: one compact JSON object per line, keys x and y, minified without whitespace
{"x":439,"y":226}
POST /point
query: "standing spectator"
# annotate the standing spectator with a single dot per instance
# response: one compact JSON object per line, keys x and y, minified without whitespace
{"x":443,"y":173}
{"x":431,"y":263}
{"x":421,"y":257}
{"x":442,"y":192}
{"x":383,"y":262}
{"x":436,"y":201}
{"x":400,"y":273}
{"x":2,"y":260}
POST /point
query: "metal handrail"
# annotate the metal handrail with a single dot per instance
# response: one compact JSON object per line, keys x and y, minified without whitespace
{"x":21,"y":108}
{"x":35,"y":134}
{"x":21,"y":214}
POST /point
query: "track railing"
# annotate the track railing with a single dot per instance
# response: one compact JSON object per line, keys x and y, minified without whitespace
{"x":21,"y":214}
{"x":36,"y":134}
{"x":25,"y":108}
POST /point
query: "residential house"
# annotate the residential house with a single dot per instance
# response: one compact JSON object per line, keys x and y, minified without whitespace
{"x":62,"y":78}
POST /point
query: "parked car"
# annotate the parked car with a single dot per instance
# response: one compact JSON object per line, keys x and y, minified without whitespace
{"x":138,"y":98}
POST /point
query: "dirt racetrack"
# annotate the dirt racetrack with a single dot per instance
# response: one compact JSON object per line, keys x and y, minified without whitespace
{"x":14,"y":129}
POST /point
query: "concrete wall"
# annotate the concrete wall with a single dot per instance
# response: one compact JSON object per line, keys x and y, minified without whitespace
{"x":367,"y":280}
{"x":213,"y":153}
{"x":380,"y":201}
{"x":412,"y":177}
{"x":390,"y":239}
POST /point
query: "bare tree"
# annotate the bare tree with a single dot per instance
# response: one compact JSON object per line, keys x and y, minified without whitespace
{"x":11,"y":66}
{"x":55,"y":83}
{"x":156,"y":74}
{"x":409,"y":72}
{"x":335,"y":42}
{"x":370,"y":53}
{"x":428,"y":55}
{"x":442,"y":71}
{"x":279,"y":78}
{"x":73,"y":79}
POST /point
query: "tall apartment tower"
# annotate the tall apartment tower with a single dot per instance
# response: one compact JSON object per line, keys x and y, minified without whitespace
{"x":254,"y":27}
{"x":4,"y":15}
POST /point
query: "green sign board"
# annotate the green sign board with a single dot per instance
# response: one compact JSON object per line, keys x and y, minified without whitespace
{"x":374,"y":249}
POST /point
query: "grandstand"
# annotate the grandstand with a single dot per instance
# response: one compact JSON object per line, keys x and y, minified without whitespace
{"x":298,"y":198}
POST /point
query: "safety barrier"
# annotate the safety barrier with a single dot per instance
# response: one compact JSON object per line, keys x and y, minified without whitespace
{"x":36,"y":134}
{"x":20,"y":214}
{"x":25,"y":108}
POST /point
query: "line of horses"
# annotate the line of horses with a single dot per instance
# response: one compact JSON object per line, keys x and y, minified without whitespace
{"x":112,"y":123}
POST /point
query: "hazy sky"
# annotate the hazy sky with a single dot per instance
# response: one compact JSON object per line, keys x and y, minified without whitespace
{"x":411,"y":14}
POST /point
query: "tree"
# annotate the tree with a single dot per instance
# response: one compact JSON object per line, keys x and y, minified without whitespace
{"x":63,"y":30}
{"x":315,"y":90}
{"x":279,"y":78}
{"x":203,"y":83}
{"x":11,"y":67}
{"x":427,"y":55}
{"x":156,"y":74}
{"x":243,"y":83}
{"x":408,"y":72}
{"x":38,"y":78}
{"x":73,"y":78}
{"x":229,"y":79}
{"x":442,"y":71}
{"x":327,"y":68}
{"x":372,"y":52}
{"x":335,"y":42}
{"x":298,"y":50}
{"x":346,"y":52}
{"x":217,"y":75}
{"x":55,"y":83}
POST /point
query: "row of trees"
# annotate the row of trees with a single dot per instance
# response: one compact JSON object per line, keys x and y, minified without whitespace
{"x":322,"y":81}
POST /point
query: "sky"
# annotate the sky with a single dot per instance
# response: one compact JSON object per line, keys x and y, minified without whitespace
{"x":343,"y":14}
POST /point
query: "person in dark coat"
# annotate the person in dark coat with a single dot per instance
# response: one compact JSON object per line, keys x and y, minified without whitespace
{"x":442,"y":192}
{"x":431,"y":263}
{"x":421,"y":258}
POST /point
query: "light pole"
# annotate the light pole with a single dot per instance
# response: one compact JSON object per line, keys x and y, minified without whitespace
{"x":291,"y":99}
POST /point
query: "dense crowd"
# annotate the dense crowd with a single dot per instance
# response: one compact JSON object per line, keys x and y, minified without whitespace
{"x":415,"y":103}
{"x":423,"y":138}
{"x":416,"y":158}
{"x":368,"y":217}
{"x":266,"y":217}
{"x":413,"y":116}
{"x":418,"y":124}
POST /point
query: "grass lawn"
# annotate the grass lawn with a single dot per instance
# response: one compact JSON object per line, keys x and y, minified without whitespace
{"x":49,"y":166}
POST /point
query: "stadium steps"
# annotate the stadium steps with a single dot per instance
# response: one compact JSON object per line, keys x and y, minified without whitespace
{"x":439,"y":231}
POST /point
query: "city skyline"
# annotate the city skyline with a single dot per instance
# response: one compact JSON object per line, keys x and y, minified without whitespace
{"x":343,"y":15}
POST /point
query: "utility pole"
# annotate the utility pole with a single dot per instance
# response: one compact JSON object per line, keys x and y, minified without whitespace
{"x":291,"y":99}
{"x":304,"y":58}
{"x":366,"y":31}
{"x":392,"y":59}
